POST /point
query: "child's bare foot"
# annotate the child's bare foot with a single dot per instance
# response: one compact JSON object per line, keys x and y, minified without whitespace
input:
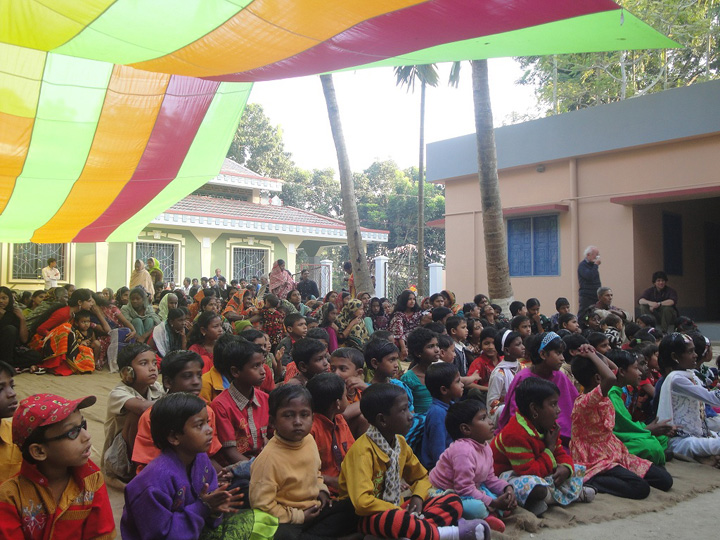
{"x":713,"y":461}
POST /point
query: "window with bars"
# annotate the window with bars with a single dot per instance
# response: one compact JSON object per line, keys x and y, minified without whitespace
{"x":533,"y":246}
{"x":166,"y":255}
{"x":29,"y":259}
{"x":248,"y":262}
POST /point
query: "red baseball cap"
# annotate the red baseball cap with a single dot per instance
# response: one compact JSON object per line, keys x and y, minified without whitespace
{"x":43,"y":410}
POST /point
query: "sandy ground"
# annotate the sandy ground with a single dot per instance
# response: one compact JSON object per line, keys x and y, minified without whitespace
{"x":691,"y":506}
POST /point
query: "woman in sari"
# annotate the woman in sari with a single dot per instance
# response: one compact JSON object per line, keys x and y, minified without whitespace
{"x":141,"y":314}
{"x":56,"y":298}
{"x":141,"y":278}
{"x":66,"y":352}
{"x":169,"y":301}
{"x":121,"y":333}
{"x":80,"y":299}
{"x":450,"y":303}
{"x":153,"y":268}
{"x":281,"y":281}
{"x":351,"y":326}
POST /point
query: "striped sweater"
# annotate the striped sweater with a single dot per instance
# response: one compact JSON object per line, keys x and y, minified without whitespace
{"x":521,"y":448}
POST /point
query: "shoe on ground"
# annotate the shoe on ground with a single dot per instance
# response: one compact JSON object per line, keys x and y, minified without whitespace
{"x":473,"y":529}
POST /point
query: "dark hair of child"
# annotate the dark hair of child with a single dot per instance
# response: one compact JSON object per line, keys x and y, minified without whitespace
{"x":565,"y":318}
{"x":573,"y":342}
{"x":647,"y":320}
{"x":439,"y":313}
{"x":169,"y":414}
{"x":648,"y":335}
{"x":438,"y":375}
{"x":319,"y":333}
{"x":515,"y":307}
{"x":377,"y":399}
{"x":128,"y":353}
{"x":251,"y":334}
{"x":436,"y":327}
{"x":304,"y":349}
{"x":631,"y":329}
{"x":282,"y":395}
{"x":175,"y":313}
{"x":444,"y":341}
{"x":326,"y":310}
{"x":596,"y":338}
{"x":325,"y":389}
{"x":497,"y":308}
{"x":238,"y":352}
{"x":461,"y":412}
{"x":509,"y":337}
{"x":83,"y":314}
{"x":417,"y":339}
{"x":532,"y":302}
{"x":700,"y":343}
{"x":453,"y":322}
{"x":468,"y":307}
{"x":480,"y":299}
{"x":648,"y":349}
{"x":311,"y":320}
{"x":383,"y":335}
{"x":673,"y":343}
{"x":685,"y":324}
{"x":611,"y":320}
{"x":471,"y":325}
{"x":175,"y":361}
{"x":533,"y":346}
{"x":292,"y":319}
{"x":352,"y":354}
{"x":517,"y":320}
{"x":534,"y":390}
{"x":7,"y":369}
{"x":219,"y":353}
{"x":621,"y":358}
{"x":203,"y":321}
{"x":584,"y":369}
{"x":402,"y":300}
{"x":272,"y":301}
{"x":206,"y":300}
{"x":488,"y":332}
{"x":560,"y":302}
{"x":378,"y":349}
{"x":563,"y":332}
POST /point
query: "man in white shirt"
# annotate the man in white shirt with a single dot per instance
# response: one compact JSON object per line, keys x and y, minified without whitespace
{"x":51,"y":274}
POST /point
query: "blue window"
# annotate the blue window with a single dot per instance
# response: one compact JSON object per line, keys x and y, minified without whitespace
{"x":533,"y":246}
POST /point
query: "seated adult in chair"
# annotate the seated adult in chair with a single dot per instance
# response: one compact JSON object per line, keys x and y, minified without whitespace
{"x":605,"y":306}
{"x":660,"y":301}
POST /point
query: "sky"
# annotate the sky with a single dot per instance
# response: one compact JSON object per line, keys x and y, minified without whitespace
{"x":381,"y":120}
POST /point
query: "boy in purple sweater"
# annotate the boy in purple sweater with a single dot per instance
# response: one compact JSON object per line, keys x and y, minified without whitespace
{"x":467,"y":465}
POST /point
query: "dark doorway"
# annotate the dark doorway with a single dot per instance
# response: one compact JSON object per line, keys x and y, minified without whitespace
{"x":712,"y":271}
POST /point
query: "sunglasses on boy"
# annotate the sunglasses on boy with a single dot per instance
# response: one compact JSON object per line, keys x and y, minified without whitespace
{"x":71,"y":434}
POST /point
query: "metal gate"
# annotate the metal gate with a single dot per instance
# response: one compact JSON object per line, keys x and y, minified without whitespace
{"x":166,"y":255}
{"x":248,"y":262}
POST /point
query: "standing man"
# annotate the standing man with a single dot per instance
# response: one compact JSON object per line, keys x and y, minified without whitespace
{"x":218,"y":275}
{"x":51,"y":274}
{"x":589,"y":279}
{"x":307,"y":287}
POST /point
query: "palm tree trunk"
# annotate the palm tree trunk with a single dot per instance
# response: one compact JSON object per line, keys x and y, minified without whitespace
{"x":421,"y":199}
{"x":361,"y":272}
{"x":498,"y":269}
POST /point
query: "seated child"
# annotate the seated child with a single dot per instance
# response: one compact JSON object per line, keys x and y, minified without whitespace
{"x":10,"y":455}
{"x":562,"y":305}
{"x":181,"y":372}
{"x":295,"y":329}
{"x":646,"y":441}
{"x":286,"y":479}
{"x":546,"y":353}
{"x":311,"y":358}
{"x":127,"y":401}
{"x":177,"y":495}
{"x":260,"y":338}
{"x":382,"y":357}
{"x":511,"y":350}
{"x":610,"y":468}
{"x":423,"y":350}
{"x":529,"y":454}
{"x":271,"y":319}
{"x":84,"y":332}
{"x":443,"y":382}
{"x":612,"y":326}
{"x":380,"y":461}
{"x":317,"y":333}
{"x":171,"y":334}
{"x":59,"y":492}
{"x":573,"y":342}
{"x":218,"y":377}
{"x":459,"y":330}
{"x":539,"y":323}
{"x":466,"y":467}
{"x":329,"y":429}
{"x":485,"y":363}
{"x":68,"y":348}
{"x":447,"y":348}
{"x":348,"y":363}
{"x":569,"y":322}
{"x":241,"y":411}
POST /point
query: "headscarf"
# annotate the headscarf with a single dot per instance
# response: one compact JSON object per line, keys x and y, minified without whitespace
{"x":281,"y":282}
{"x":358,"y":334}
{"x":129,"y":312}
{"x":453,"y":305}
{"x":155,"y":267}
{"x":142,"y":278}
{"x":163,"y":311}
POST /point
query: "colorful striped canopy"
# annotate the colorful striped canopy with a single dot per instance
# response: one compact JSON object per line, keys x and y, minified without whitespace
{"x":113,"y":110}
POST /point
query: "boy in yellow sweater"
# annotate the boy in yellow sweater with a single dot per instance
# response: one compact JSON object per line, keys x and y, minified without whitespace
{"x":285,"y":479}
{"x":375,"y":467}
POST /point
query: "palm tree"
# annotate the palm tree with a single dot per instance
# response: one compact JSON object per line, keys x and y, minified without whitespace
{"x":407,"y":76}
{"x":358,"y":258}
{"x":498,"y":269}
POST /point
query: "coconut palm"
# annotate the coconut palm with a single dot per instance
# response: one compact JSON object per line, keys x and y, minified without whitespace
{"x":358,"y":258}
{"x":407,"y":76}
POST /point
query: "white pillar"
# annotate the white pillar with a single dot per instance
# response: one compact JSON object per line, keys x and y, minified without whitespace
{"x":380,"y":275}
{"x":435,"y":273}
{"x":326,"y":272}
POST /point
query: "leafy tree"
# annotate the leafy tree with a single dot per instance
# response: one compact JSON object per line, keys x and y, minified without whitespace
{"x":575,"y":81}
{"x":259,"y":146}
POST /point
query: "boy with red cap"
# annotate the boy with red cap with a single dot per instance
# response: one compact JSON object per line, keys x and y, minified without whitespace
{"x":59,"y":492}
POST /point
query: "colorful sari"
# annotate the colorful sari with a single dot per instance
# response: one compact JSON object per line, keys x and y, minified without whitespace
{"x":281,"y":281}
{"x":358,"y":336}
{"x":64,"y":355}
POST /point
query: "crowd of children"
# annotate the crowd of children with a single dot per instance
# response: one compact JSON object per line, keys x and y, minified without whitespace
{"x":291,"y":427}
